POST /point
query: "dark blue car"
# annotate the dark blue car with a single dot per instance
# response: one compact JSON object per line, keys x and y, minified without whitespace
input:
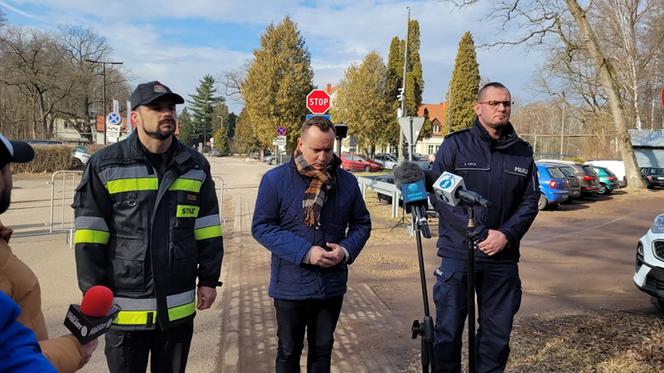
{"x":553,"y":185}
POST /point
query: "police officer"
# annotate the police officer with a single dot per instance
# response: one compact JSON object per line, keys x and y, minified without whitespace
{"x":498,"y":165}
{"x":148,"y":227}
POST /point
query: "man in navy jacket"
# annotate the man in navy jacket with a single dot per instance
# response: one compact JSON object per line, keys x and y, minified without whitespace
{"x":498,"y":165}
{"x":311,"y":215}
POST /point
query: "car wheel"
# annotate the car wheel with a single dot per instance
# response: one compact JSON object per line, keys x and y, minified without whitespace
{"x":553,"y":206}
{"x":76,"y":164}
{"x":603,"y":189}
{"x":367,"y":168}
{"x":542,"y":203}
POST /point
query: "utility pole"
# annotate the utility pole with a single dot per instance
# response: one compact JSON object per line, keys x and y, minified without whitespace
{"x":103,"y":64}
{"x":562,"y":129}
{"x":403,"y":85}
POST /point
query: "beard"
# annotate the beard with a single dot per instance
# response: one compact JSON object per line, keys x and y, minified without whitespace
{"x":159,"y":133}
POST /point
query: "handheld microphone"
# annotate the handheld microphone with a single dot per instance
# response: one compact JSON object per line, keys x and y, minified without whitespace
{"x":450,"y":189}
{"x":409,"y":178}
{"x":94,"y":316}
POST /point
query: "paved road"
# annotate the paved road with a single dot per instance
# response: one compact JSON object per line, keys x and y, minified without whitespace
{"x":577,"y":259}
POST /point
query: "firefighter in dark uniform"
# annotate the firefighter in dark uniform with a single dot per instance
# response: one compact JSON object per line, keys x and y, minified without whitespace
{"x":498,"y":165}
{"x":148,"y":227}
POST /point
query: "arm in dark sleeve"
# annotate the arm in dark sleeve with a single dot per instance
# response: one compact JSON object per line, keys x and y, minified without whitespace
{"x":209,"y":234}
{"x":359,"y":226}
{"x":266,"y":227}
{"x":524,"y":215}
{"x":92,"y":209}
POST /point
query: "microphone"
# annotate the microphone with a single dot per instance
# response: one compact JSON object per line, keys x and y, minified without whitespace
{"x":451,"y":189}
{"x":94,"y":316}
{"x":409,"y":178}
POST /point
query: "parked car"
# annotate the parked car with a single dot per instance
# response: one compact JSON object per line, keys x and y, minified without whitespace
{"x":79,"y":158}
{"x":653,"y":176}
{"x":587,"y":177}
{"x":617,"y":167}
{"x":574,"y":185}
{"x":608,"y":181}
{"x":256,"y":154}
{"x":355,"y":162}
{"x":387,"y":160}
{"x":649,"y":270}
{"x":278,"y":159}
{"x":553,"y":186}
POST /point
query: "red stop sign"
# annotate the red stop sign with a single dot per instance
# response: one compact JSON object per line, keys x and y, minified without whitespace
{"x":318,"y":101}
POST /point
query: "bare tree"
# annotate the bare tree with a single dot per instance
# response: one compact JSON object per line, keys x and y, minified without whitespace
{"x":568,"y":21}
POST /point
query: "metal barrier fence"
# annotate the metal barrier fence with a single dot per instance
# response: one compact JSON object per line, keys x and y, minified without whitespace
{"x":62,"y":196}
{"x":369,"y":182}
{"x":62,"y":191}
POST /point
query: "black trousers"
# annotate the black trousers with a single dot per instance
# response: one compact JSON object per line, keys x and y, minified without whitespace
{"x":127,"y":352}
{"x":319,"y":318}
{"x":498,"y":290}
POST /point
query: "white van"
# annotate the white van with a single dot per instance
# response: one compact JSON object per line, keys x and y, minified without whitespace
{"x":617,"y":167}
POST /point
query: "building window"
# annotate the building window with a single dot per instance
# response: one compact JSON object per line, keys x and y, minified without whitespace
{"x":436,"y":128}
{"x":430,"y":149}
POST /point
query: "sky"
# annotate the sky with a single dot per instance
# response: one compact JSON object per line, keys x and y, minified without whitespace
{"x":178,"y":42}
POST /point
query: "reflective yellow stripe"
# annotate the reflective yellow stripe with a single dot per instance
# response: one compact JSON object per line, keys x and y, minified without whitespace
{"x":91,"y":236}
{"x":131,"y":185}
{"x":186,"y":185}
{"x":134,"y":317}
{"x":182,"y":311}
{"x":208,"y":232}
{"x":187,"y":211}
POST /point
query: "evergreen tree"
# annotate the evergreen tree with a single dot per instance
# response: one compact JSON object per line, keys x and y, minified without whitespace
{"x":185,"y":126}
{"x":393,"y":86}
{"x":463,"y":86}
{"x":202,"y":106}
{"x":361,"y":102}
{"x":244,"y":139}
{"x":278,"y":80}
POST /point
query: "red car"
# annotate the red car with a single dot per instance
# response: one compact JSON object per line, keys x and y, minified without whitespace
{"x":354,"y":162}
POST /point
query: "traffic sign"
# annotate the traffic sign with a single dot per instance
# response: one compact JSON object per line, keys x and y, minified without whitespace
{"x":318,"y":101}
{"x":410,"y":128}
{"x":281,"y":131}
{"x":113,"y":118}
{"x":279,"y":141}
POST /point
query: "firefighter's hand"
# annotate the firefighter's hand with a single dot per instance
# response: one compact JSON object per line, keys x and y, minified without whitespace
{"x":206,"y":296}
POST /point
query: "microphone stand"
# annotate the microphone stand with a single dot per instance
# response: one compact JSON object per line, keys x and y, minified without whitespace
{"x":471,"y":235}
{"x":423,"y":328}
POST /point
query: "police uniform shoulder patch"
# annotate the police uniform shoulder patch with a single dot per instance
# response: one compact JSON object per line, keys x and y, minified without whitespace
{"x":456,"y":132}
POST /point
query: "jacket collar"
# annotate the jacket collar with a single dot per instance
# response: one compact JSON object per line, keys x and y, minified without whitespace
{"x":507,"y":138}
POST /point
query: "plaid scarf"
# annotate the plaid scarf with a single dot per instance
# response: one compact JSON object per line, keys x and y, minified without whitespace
{"x":315,"y":194}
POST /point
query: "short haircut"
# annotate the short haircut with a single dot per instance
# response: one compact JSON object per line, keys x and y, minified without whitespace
{"x":492,"y":85}
{"x":321,"y":122}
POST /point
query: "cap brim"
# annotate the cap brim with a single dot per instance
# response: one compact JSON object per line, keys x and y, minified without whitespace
{"x":23,"y":152}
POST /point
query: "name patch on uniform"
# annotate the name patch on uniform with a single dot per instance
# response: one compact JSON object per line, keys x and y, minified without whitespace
{"x":192,"y":198}
{"x":520,"y":170}
{"x":187,"y":211}
{"x":469,"y":164}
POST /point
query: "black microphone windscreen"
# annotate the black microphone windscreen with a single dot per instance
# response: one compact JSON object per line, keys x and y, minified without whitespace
{"x":407,"y":172}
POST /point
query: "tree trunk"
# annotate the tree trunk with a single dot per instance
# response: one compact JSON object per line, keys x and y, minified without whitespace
{"x":610,"y":84}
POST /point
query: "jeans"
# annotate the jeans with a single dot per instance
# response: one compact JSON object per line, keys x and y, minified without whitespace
{"x":319,"y":318}
{"x":498,"y":291}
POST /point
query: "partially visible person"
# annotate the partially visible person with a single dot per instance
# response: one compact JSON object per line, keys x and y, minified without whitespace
{"x":311,"y":215}
{"x":21,"y":284}
{"x":19,"y":350}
